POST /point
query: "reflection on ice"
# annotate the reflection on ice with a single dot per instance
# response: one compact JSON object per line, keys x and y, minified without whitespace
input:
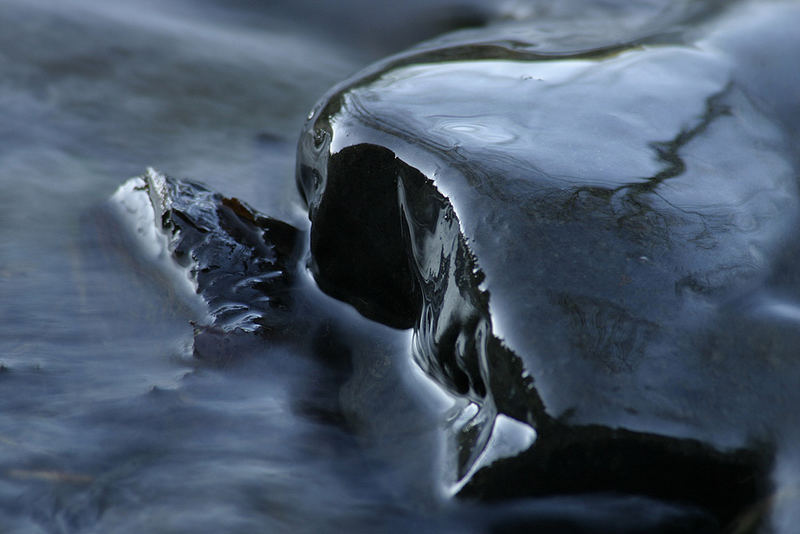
{"x":778,"y":309}
{"x":505,"y":438}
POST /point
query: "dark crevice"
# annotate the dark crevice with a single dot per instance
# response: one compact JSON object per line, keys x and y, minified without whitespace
{"x":356,"y":237}
{"x":591,"y":459}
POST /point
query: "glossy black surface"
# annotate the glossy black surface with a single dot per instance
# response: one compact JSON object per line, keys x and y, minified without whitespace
{"x":600,"y":234}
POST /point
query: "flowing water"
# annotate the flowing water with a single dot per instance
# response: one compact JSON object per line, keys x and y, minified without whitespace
{"x":107,"y":421}
{"x":107,"y":424}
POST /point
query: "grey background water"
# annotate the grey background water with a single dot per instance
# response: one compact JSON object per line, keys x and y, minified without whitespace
{"x":106,"y":422}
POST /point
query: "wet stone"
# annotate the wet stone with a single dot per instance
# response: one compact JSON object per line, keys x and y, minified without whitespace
{"x":242,"y":265}
{"x":596,"y":239}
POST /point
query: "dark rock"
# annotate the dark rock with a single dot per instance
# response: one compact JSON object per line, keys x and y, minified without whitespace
{"x":596,"y":239}
{"x":243,"y":264}
{"x":587,"y":514}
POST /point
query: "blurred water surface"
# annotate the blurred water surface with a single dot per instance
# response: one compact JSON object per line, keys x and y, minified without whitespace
{"x":106,"y":423}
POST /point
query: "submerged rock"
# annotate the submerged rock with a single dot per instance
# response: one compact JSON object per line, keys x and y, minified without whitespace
{"x":242,"y":265}
{"x":596,"y":239}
